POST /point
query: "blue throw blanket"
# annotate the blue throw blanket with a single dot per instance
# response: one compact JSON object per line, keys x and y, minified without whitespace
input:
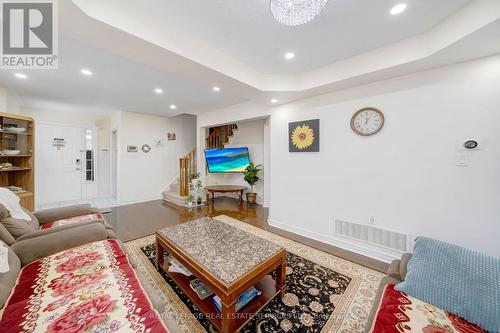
{"x":460,"y":281}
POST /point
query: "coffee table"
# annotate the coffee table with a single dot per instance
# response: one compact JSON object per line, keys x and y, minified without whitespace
{"x":229,"y":261}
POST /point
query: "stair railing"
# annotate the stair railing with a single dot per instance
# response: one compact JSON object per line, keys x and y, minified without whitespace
{"x":220,"y":136}
{"x":187,"y":169}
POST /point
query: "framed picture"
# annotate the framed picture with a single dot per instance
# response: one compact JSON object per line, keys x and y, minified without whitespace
{"x":171,"y":137}
{"x":303,"y":136}
{"x":132,"y":149}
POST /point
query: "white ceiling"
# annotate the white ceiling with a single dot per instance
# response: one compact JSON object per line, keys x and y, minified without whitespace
{"x":185,"y":47}
{"x":116,"y":84}
{"x":246,"y":30}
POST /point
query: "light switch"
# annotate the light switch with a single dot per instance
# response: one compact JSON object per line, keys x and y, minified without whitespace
{"x":462,"y":159}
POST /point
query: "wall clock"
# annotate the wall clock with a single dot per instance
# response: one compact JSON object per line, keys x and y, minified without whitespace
{"x":367,"y":121}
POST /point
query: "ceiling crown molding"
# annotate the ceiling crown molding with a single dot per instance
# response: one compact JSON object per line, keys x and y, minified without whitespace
{"x":108,"y":26}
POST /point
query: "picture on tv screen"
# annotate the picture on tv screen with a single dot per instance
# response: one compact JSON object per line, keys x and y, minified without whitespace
{"x":227,"y":159}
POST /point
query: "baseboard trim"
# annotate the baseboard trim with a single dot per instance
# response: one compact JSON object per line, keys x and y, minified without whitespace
{"x":131,"y":202}
{"x":378,"y":254}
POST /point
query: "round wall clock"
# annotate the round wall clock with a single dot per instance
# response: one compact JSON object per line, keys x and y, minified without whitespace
{"x":367,"y":121}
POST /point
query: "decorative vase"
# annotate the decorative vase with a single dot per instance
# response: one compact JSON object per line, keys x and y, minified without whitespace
{"x":251,"y":197}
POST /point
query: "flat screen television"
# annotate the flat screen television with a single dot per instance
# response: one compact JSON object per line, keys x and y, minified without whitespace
{"x":227,"y":160}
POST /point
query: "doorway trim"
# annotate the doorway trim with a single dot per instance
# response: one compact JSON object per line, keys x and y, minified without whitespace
{"x":115,"y":166}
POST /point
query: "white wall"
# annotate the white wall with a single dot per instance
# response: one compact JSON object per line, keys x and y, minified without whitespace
{"x":13,"y":102}
{"x":103,"y":154}
{"x":86,"y":119}
{"x":249,"y":134}
{"x":3,"y":100}
{"x":10,"y":102}
{"x":141,"y":176}
{"x":144,"y":176}
{"x":406,"y":176}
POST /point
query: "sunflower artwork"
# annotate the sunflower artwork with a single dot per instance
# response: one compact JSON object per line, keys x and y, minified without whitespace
{"x":304,"y":136}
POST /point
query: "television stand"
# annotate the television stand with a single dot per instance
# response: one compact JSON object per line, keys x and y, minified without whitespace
{"x":225,"y":189}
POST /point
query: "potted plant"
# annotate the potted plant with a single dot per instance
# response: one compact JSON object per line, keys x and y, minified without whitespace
{"x":195,"y":177}
{"x":251,"y":176}
{"x":199,"y":200}
{"x":190,"y":199}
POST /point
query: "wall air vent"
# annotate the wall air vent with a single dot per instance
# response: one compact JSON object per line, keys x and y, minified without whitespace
{"x":373,"y":235}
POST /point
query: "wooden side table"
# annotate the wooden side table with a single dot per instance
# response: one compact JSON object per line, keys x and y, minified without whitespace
{"x":225,"y":189}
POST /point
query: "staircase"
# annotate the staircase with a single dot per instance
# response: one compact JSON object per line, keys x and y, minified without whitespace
{"x":172,"y":195}
{"x":179,"y":189}
{"x":219,"y":136}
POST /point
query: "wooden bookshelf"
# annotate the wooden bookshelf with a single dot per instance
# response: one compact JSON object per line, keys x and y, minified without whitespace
{"x":22,"y":172}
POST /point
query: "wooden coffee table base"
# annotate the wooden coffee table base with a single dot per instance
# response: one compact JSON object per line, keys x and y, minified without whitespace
{"x":228,"y":320}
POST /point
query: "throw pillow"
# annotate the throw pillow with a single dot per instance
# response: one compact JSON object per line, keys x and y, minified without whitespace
{"x":461,"y":281}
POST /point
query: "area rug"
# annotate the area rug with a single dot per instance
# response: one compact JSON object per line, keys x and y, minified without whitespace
{"x":324,"y":293}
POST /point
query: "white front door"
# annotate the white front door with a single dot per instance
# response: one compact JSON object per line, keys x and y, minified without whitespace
{"x":59,"y":163}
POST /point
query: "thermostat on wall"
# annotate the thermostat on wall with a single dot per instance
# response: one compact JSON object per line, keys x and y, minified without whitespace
{"x":466,"y":144}
{"x":471,"y":144}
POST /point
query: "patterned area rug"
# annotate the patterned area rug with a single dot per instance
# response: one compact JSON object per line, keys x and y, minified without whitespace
{"x":324,"y":293}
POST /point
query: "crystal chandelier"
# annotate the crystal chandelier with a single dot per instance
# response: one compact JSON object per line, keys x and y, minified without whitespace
{"x":296,"y":12}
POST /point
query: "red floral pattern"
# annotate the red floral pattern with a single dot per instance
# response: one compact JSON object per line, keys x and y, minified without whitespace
{"x":463,"y":325}
{"x":74,"y":263}
{"x":434,"y":329}
{"x":83,"y":316}
{"x":400,"y":313}
{"x":69,"y":282}
{"x":58,"y":303}
{"x":76,"y":219}
{"x":86,"y":289}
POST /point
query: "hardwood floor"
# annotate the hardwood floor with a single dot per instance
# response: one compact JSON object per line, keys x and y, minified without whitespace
{"x":142,"y":219}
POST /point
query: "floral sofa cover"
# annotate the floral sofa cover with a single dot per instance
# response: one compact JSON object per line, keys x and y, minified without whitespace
{"x":398,"y":313}
{"x":90,"y":288}
{"x":73,"y":220}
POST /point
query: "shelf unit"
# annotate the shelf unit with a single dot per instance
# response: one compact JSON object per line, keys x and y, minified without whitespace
{"x":22,"y":174}
{"x":267,"y":287}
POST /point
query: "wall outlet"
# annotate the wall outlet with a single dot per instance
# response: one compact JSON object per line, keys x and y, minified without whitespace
{"x":372,"y":220}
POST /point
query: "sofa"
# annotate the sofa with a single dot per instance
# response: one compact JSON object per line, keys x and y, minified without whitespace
{"x":74,"y":280}
{"x":396,"y":273}
{"x":47,"y":222}
{"x":395,"y":311}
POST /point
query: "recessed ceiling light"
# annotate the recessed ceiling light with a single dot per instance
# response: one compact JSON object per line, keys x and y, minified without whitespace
{"x":274,"y":101}
{"x":289,"y":55}
{"x":398,"y":9}
{"x":159,"y":91}
{"x":21,"y":76}
{"x":86,"y":72}
{"x":173,"y":107}
{"x":216,"y":89}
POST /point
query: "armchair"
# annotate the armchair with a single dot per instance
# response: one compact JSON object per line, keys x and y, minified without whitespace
{"x":47,"y":222}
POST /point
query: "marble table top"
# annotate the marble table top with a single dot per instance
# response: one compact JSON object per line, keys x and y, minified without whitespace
{"x":225,"y":251}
